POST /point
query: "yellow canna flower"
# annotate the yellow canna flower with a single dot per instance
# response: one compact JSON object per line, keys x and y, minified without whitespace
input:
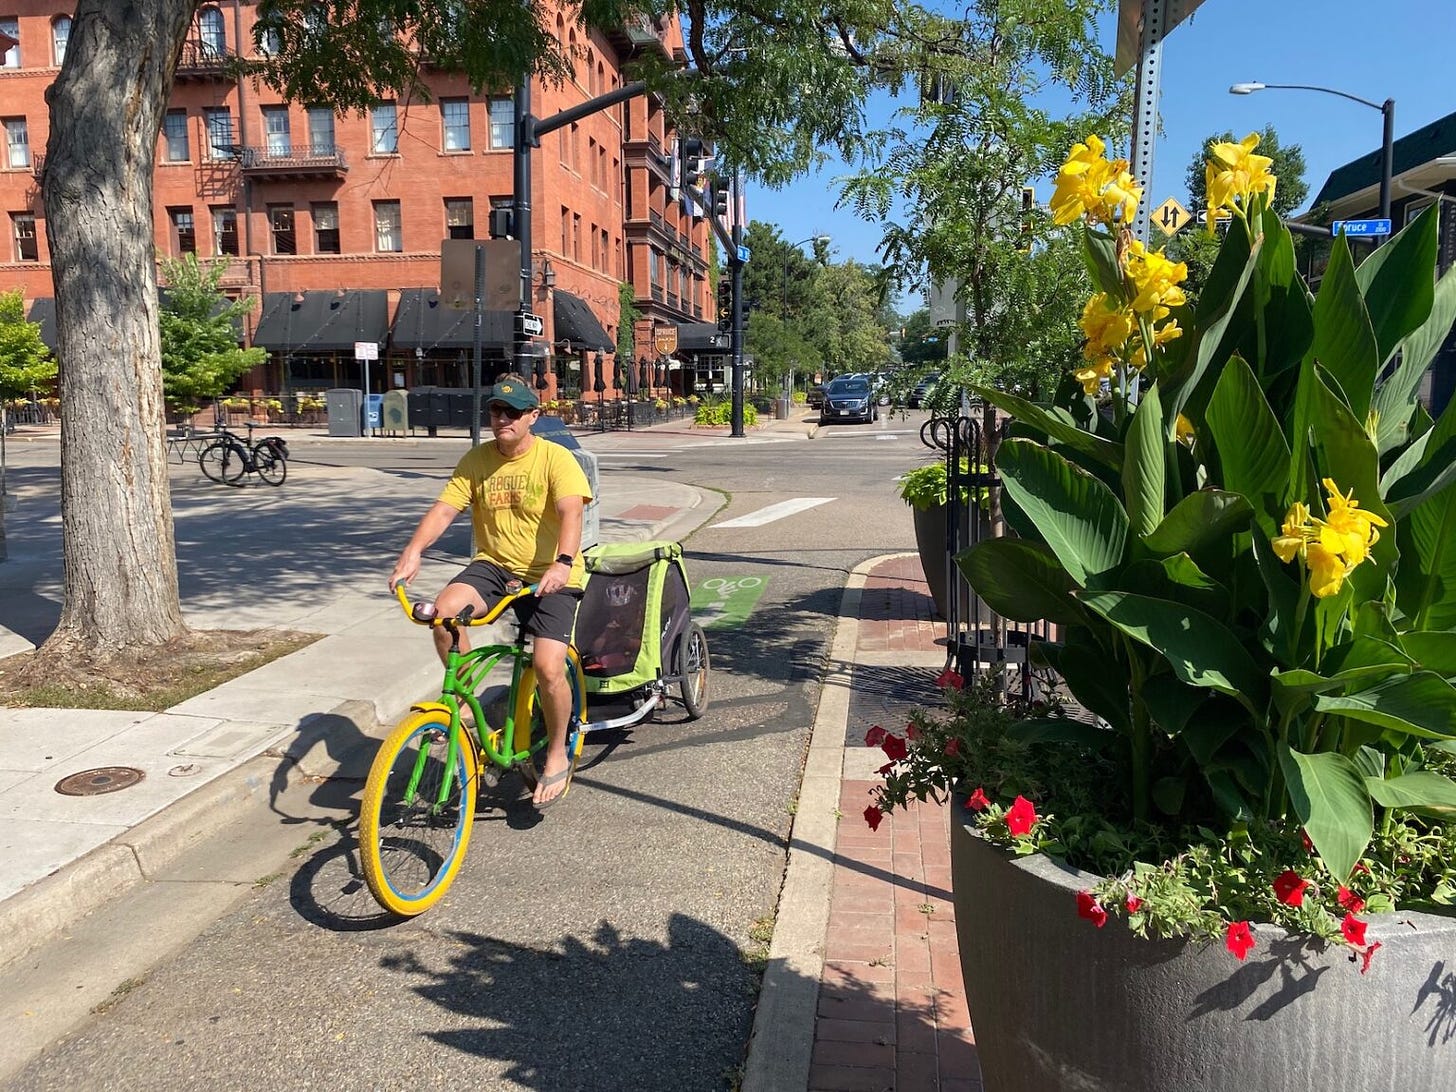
{"x":1106,"y":325}
{"x":1296,"y":534}
{"x":1165,"y":333}
{"x":1327,"y":570}
{"x":1155,"y":280}
{"x":1343,"y":508}
{"x":1183,"y":431}
{"x":1091,"y":186}
{"x":1235,"y":172}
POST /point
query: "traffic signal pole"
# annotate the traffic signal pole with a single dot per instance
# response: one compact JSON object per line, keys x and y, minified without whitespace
{"x":735,"y":342}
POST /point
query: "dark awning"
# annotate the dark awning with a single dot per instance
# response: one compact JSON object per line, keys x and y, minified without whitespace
{"x":701,"y":337}
{"x":577,"y":326}
{"x":422,"y":321}
{"x":43,"y":311}
{"x":322,"y":321}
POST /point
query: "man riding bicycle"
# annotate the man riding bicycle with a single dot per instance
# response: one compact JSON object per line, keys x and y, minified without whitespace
{"x":526,"y":497}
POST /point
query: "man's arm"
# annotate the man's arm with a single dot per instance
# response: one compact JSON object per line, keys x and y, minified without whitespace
{"x":431,"y":527}
{"x":569,"y":509}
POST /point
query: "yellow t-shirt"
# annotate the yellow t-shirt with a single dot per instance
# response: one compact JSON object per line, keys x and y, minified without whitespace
{"x":513,"y":505}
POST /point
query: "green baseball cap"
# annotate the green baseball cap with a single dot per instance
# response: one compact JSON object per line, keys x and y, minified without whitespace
{"x":513,"y":393}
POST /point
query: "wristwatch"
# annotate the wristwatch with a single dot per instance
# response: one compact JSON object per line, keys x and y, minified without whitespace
{"x":565,"y":559}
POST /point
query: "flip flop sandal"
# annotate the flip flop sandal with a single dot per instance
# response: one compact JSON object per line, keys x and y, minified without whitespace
{"x":564,"y":775}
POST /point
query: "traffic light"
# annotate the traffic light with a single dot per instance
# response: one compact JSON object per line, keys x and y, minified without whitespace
{"x":1028,"y":203}
{"x":720,"y":202}
{"x":725,"y":303}
{"x":694,"y":163}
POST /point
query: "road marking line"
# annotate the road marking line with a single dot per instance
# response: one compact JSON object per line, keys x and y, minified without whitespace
{"x":774,"y":512}
{"x":607,"y":454}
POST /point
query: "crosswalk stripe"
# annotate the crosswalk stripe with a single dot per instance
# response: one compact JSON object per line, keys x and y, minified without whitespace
{"x":774,"y":512}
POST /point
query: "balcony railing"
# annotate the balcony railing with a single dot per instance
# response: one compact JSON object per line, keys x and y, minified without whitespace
{"x":639,"y":33}
{"x":202,"y":60}
{"x":326,"y":161}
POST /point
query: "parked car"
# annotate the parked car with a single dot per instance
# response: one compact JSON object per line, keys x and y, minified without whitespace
{"x":920,"y":395}
{"x":848,"y":398}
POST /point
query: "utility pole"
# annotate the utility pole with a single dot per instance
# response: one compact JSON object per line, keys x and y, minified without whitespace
{"x":735,"y":343}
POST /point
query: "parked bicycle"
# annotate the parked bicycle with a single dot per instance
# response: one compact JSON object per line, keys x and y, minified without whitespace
{"x":229,"y":457}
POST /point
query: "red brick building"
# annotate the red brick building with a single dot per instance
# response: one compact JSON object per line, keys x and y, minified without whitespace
{"x":334,"y":222}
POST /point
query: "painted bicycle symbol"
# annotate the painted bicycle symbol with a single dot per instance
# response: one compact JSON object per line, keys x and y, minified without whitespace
{"x":725,"y":588}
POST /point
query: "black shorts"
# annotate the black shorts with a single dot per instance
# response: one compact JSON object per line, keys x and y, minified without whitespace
{"x":551,"y":616}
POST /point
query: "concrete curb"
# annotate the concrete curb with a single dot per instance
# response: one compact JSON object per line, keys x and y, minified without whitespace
{"x":781,"y":1046}
{"x":50,"y":906}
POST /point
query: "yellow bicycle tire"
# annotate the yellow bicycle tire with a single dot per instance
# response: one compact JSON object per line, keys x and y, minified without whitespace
{"x":373,"y":829}
{"x":530,"y":721}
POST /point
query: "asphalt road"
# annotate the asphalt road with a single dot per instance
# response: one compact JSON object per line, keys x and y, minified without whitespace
{"x":604,"y":944}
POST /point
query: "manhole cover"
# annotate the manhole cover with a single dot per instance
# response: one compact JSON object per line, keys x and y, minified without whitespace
{"x":103,"y":779}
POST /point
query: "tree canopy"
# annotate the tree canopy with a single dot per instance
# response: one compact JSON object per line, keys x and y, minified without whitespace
{"x":201,"y":357}
{"x":26,"y":364}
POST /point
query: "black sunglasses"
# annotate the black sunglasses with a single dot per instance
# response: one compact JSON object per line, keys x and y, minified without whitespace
{"x":508,"y":411}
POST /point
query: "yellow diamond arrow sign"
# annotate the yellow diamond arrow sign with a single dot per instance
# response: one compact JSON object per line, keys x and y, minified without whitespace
{"x":1171,"y":217}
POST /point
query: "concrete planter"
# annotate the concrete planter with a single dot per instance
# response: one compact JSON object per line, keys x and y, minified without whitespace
{"x":930,"y":528}
{"x":1058,"y":1004}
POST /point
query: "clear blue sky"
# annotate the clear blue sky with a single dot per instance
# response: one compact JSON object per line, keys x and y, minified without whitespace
{"x":1399,"y":50}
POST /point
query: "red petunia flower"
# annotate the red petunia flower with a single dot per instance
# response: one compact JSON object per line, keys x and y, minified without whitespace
{"x":1134,"y":904}
{"x":911,"y":732}
{"x":886,"y":769}
{"x":873,"y":815}
{"x":1353,"y":930}
{"x":1020,"y":817}
{"x":875,"y":736}
{"x":1361,"y":866}
{"x":952,"y":748}
{"x":1239,"y":939}
{"x":1289,"y":887}
{"x":1349,"y":900}
{"x":978,"y":801}
{"x":1088,"y":907}
{"x":950,"y":679}
{"x":894,"y":747}
{"x":1304,"y":839}
{"x":1365,"y":957}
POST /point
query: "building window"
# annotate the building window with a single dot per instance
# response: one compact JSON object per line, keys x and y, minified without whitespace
{"x":652,"y":273}
{"x":184,"y":231}
{"x":388,"y":236}
{"x":60,"y":37}
{"x":565,"y":231}
{"x":10,"y":27}
{"x":275,"y":131}
{"x":220,"y":144}
{"x":321,"y":130}
{"x":280,"y":223}
{"x":459,"y":218}
{"x":384,"y":129}
{"x":23,"y":229}
{"x":325,"y":228}
{"x":17,"y":142}
{"x":502,"y":122}
{"x":576,"y":237}
{"x":455,"y":113}
{"x":606,"y":251}
{"x":174,"y":128}
{"x":211,"y":33}
{"x":269,"y":43}
{"x":225,"y":230}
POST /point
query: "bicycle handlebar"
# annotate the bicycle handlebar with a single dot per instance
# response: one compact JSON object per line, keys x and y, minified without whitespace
{"x":413,"y":610}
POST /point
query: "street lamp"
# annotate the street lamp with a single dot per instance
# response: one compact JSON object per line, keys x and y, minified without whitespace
{"x":1387,"y":110}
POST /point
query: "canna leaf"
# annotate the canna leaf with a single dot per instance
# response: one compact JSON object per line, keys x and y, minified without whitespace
{"x":1331,"y":800}
{"x":1078,"y":516}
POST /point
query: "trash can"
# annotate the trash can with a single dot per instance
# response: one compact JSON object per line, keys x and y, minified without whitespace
{"x":781,"y":409}
{"x":555,"y":430}
{"x":345,"y":405}
{"x":373,"y":413}
{"x":396,"y":412}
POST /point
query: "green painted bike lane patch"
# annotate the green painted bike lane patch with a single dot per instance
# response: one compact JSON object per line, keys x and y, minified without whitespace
{"x":722,"y":601}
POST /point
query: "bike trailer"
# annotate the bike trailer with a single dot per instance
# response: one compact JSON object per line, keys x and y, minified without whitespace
{"x":634,"y":609}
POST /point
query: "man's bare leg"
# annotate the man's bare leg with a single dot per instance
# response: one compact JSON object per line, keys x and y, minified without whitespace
{"x":449,"y":603}
{"x":550,"y":660}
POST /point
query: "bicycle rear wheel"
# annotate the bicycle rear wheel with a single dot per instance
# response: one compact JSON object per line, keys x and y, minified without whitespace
{"x":271,"y":466}
{"x":413,"y":832}
{"x":223,"y":461}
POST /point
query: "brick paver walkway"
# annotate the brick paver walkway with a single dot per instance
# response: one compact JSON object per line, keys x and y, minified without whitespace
{"x":892,"y":1008}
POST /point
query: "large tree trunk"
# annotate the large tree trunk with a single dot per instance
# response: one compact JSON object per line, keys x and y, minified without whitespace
{"x":116,"y":505}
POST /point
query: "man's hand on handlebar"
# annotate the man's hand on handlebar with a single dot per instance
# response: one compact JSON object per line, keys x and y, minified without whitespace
{"x":554,"y":579}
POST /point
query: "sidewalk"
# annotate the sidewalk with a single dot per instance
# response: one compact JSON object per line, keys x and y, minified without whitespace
{"x":863,"y":989}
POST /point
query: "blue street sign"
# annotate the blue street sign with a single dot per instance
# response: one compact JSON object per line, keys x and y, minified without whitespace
{"x":1360,"y":227}
{"x":743,"y":253}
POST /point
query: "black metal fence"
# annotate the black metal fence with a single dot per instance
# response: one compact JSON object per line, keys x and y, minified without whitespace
{"x":978,"y":639}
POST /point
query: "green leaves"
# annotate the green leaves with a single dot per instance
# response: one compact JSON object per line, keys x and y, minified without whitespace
{"x":1252,"y":449}
{"x":1399,"y":282}
{"x":1020,"y":580}
{"x":1078,"y":516}
{"x":1143,"y":465}
{"x":1344,"y":339}
{"x":1329,"y":796}
{"x":1421,"y":704}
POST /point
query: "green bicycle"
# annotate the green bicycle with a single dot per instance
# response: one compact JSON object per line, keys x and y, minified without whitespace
{"x":419,"y":801}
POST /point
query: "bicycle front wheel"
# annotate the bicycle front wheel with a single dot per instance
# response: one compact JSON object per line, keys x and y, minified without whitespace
{"x":414,"y":823}
{"x":223,"y":461}
{"x":271,"y":466}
